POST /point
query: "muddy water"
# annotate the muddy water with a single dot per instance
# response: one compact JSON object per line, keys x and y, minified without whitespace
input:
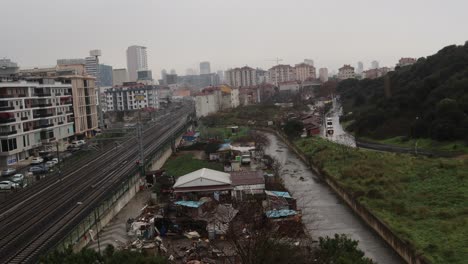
{"x":323,"y":213}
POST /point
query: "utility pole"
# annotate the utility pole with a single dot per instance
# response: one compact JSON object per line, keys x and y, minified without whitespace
{"x":140,"y":98}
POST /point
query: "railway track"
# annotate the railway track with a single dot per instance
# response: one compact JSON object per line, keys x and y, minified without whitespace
{"x":43,"y":219}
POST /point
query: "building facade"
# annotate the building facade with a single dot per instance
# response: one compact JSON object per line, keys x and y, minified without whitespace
{"x":137,"y":59}
{"x":119,"y":76}
{"x":205,"y":67}
{"x":281,"y":73}
{"x":323,"y":74}
{"x":216,"y":98}
{"x":105,"y":75}
{"x":346,"y":72}
{"x":132,"y":96}
{"x":241,"y":77}
{"x":304,"y":71}
{"x":406,"y":61}
{"x":309,"y":62}
{"x":32,"y":115}
{"x":375,"y":73}
{"x":374,"y":65}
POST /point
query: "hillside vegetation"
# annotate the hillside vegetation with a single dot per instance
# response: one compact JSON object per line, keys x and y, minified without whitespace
{"x":423,"y":200}
{"x":428,"y":99}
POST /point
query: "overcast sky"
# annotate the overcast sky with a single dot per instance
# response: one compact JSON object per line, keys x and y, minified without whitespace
{"x":181,"y":33}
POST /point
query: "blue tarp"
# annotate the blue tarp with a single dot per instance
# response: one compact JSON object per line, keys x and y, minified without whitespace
{"x":280,"y":213}
{"x":192,"y":204}
{"x":279,"y":194}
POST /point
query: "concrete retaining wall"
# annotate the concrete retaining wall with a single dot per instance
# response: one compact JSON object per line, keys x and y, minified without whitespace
{"x":404,"y":249}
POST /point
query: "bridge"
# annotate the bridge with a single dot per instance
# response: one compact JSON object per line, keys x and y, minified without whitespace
{"x":58,"y":212}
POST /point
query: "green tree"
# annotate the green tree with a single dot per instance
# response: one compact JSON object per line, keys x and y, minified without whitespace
{"x":340,"y":250}
{"x":293,"y":128}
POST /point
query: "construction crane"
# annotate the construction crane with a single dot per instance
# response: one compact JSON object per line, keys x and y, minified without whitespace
{"x":277,"y":60}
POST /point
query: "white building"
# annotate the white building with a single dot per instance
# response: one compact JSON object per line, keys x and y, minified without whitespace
{"x":212,"y":99}
{"x":346,"y":72}
{"x":205,"y":104}
{"x":304,"y":71}
{"x":323,"y":74}
{"x":91,"y":66}
{"x":281,"y":73}
{"x":33,"y":114}
{"x":119,"y":76}
{"x":132,"y":97}
{"x":241,"y":77}
{"x":360,"y":67}
{"x":291,"y":86}
{"x":137,"y":59}
{"x":374,"y":65}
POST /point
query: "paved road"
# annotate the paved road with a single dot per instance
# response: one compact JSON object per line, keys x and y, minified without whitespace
{"x":339,"y":135}
{"x":323,"y":213}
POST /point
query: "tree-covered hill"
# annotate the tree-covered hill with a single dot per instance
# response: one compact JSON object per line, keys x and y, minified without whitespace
{"x":428,"y":99}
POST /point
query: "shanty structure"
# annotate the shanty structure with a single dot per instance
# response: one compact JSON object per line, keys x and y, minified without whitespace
{"x":203,"y":181}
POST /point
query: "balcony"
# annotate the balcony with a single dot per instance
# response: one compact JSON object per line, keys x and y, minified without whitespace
{"x":6,"y":108}
{"x":41,"y":105}
{"x":7,"y":120}
{"x":7,"y":133}
{"x":58,"y":94}
{"x":42,"y":94}
{"x":43,"y":115}
{"x":69,"y":111}
{"x":13,"y":95}
{"x":24,"y":118}
{"x":60,"y":123}
{"x":42,"y":126}
{"x":67,"y":93}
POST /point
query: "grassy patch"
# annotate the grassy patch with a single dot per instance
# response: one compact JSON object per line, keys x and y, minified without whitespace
{"x":223,"y":132}
{"x":424,"y":143}
{"x":186,"y":163}
{"x":423,"y":200}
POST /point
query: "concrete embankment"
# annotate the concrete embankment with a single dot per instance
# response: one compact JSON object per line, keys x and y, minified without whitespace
{"x":369,"y":245}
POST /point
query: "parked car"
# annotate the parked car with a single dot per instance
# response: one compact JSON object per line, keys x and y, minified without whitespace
{"x":17,"y":178}
{"x":37,"y":160}
{"x":8,"y":185}
{"x":50,"y":164}
{"x":78,"y":143}
{"x":55,"y":160}
{"x":245,"y":159}
{"x":38,"y":169}
{"x":8,"y":171}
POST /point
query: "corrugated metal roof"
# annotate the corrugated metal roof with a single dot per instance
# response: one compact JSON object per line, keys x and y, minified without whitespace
{"x":278,"y":194}
{"x":192,"y":204}
{"x":280,"y":213}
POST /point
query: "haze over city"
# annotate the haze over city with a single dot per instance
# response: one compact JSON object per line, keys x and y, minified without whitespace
{"x":180,"y":34}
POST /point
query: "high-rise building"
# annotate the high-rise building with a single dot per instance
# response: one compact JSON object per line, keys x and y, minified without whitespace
{"x":241,"y":77}
{"x":304,"y":71}
{"x":323,"y":74}
{"x":119,"y":76}
{"x":105,"y":75}
{"x":145,"y":76}
{"x":220,"y":76}
{"x":360,"y":67}
{"x":91,"y":67}
{"x":261,"y":75}
{"x":190,"y":71}
{"x":309,"y":61}
{"x":163,"y":75}
{"x":205,"y":67}
{"x":137,"y":59}
{"x":8,"y":69}
{"x":281,"y":73}
{"x":346,"y":72}
{"x":173,"y":71}
{"x":374,"y":65}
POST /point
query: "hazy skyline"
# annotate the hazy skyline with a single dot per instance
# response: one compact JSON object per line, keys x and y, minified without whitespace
{"x":179,"y":34}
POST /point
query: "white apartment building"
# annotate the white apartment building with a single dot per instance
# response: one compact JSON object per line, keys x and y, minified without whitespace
{"x":323,"y":74}
{"x":291,"y":87}
{"x":304,"y":71}
{"x":132,"y":97}
{"x":205,"y":104}
{"x":281,"y":73}
{"x":213,"y":99}
{"x":241,"y":77}
{"x":137,"y":59}
{"x":346,"y":72}
{"x":33,"y":114}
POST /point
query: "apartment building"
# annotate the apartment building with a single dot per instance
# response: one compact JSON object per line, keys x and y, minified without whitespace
{"x":323,"y":74}
{"x":241,"y":77}
{"x":281,"y":73}
{"x":346,"y":72}
{"x":32,"y":114}
{"x":83,"y":93}
{"x":304,"y":71}
{"x":132,"y":96}
{"x":406,"y":61}
{"x":216,"y":98}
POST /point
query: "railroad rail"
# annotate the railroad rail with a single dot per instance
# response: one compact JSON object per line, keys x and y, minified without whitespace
{"x":38,"y":218}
